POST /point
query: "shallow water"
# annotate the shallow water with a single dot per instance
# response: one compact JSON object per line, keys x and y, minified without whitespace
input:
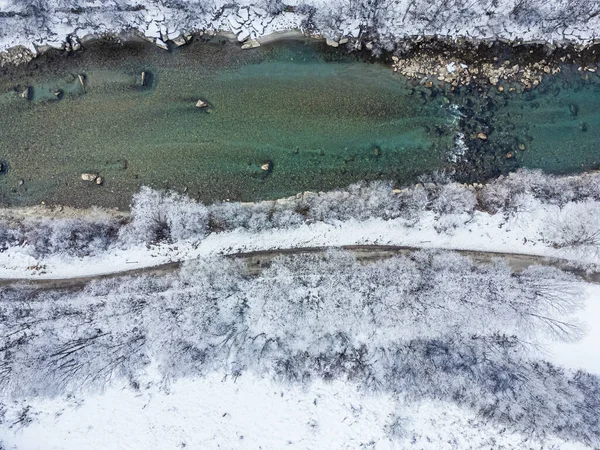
{"x":321,"y":123}
{"x":320,"y":118}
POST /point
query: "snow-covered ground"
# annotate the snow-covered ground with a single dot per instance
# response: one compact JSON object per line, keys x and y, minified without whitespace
{"x":49,"y":22}
{"x":252,"y":413}
{"x":483,"y":232}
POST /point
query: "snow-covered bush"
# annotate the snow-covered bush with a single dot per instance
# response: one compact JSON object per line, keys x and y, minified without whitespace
{"x":158,"y":216}
{"x":576,"y":227}
{"x":9,"y":235}
{"x":454,"y":198}
{"x":75,"y":237}
{"x":509,"y":193}
{"x":164,"y":217}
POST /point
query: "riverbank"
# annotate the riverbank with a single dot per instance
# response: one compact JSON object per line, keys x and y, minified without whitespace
{"x":379,"y":24}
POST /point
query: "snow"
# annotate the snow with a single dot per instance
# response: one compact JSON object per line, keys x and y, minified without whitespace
{"x":583,"y":354}
{"x":389,"y":20}
{"x":249,"y":412}
{"x":483,"y":232}
{"x":254,"y":412}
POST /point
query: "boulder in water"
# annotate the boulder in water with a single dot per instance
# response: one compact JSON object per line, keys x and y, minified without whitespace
{"x":27,"y":94}
{"x":91,"y":177}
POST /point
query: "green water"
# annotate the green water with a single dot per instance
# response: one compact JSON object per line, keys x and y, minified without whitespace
{"x":322,"y":119}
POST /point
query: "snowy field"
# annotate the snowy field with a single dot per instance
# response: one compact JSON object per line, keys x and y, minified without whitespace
{"x":253,"y":413}
{"x":383,"y":22}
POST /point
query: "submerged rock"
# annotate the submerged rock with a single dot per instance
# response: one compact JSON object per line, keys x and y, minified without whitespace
{"x":81,"y":78}
{"x":573,"y":109}
{"x":27,"y":94}
{"x":91,"y":177}
{"x":482,"y":136}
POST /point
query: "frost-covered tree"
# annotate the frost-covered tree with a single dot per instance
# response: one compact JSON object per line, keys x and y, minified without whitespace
{"x":164,"y":217}
{"x":426,"y":325}
{"x":575,"y":227}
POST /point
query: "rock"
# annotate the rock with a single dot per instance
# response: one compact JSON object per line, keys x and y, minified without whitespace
{"x":180,"y":40}
{"x":332,"y":43}
{"x":201,"y":104}
{"x":522,"y":146}
{"x":144,"y":78}
{"x":161,"y":44}
{"x":250,"y":43}
{"x":244,"y":34}
{"x":21,"y":182}
{"x":482,"y":136}
{"x":573,"y":109}
{"x":509,"y":155}
{"x":73,"y":43}
{"x":99,"y":181}
{"x":267,"y":166}
{"x":91,"y":177}
{"x":81,"y":79}
{"x":27,"y":94}
{"x":58,"y":93}
{"x":243,"y":14}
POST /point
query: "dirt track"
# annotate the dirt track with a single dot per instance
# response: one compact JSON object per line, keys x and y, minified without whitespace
{"x":257,"y":259}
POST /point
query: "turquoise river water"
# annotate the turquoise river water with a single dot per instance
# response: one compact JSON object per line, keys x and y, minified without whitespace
{"x":319,"y":119}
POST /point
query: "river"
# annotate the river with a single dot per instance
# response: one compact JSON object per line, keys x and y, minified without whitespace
{"x":315,"y":117}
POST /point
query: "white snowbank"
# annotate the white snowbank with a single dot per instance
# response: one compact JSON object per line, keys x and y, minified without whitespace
{"x":250,"y":412}
{"x":583,"y":354}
